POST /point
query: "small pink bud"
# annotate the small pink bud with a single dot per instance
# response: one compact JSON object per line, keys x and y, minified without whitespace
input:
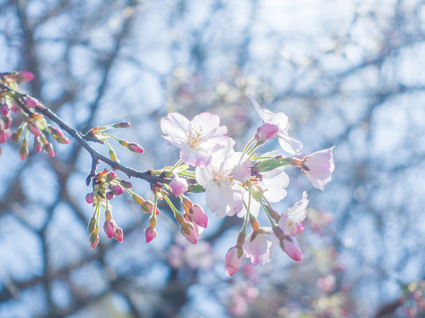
{"x":150,"y":234}
{"x":109,"y":195}
{"x":233,"y":260}
{"x":37,"y":144}
{"x":110,"y":176}
{"x":55,"y":131}
{"x":48,"y":147}
{"x":126,"y":184}
{"x":119,"y":235}
{"x":4,"y":110}
{"x":110,"y":228}
{"x":290,"y":246}
{"x":189,"y":232}
{"x":198,"y":216}
{"x":135,"y":147}
{"x":4,"y":135}
{"x":31,"y":102}
{"x":94,"y":240}
{"x":116,"y":189}
{"x":266,"y":132}
{"x":90,"y":197}
{"x":23,"y":150}
{"x":25,"y":76}
{"x":178,"y":186}
{"x":63,"y":140}
{"x":34,"y":129}
{"x":15,"y":109}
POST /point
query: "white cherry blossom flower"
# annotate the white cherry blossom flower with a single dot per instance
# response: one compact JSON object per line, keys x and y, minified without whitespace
{"x":290,"y":219}
{"x":197,"y":138}
{"x":318,"y":167}
{"x":259,"y":246}
{"x":222,"y":180}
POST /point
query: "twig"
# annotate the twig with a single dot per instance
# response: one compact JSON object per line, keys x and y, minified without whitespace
{"x":81,"y":139}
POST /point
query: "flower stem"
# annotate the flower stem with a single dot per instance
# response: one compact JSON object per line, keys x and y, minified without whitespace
{"x":178,"y":163}
{"x":245,"y":150}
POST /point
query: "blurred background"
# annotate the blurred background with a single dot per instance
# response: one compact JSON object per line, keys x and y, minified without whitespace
{"x":347,"y":73}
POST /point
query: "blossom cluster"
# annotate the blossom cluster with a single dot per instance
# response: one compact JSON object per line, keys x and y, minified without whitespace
{"x":243,"y":182}
{"x":236,"y":183}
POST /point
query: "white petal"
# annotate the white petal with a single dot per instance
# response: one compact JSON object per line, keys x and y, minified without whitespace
{"x":290,"y":145}
{"x":175,"y":126}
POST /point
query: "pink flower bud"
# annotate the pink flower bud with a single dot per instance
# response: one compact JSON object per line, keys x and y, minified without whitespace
{"x":48,"y":147}
{"x":25,"y":76}
{"x":116,"y":189}
{"x":150,"y":234}
{"x":178,"y":186}
{"x":290,"y":246}
{"x":198,"y":216}
{"x":126,"y":184}
{"x":31,"y":102}
{"x":4,"y":135}
{"x":266,"y":132}
{"x":109,"y":195}
{"x":4,"y":110}
{"x":23,"y":150}
{"x":15,"y":109}
{"x":94,"y":240}
{"x":233,"y":260}
{"x":63,"y":140}
{"x":189,"y":232}
{"x":119,"y":235}
{"x":90,"y":197}
{"x":135,"y":147}
{"x":110,"y":176}
{"x":34,"y":129}
{"x":110,"y":227}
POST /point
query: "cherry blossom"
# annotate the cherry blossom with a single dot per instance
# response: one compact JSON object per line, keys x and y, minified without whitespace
{"x":259,"y":246}
{"x":221,"y":180}
{"x":290,"y":219}
{"x":318,"y":167}
{"x":289,"y":144}
{"x":196,"y":139}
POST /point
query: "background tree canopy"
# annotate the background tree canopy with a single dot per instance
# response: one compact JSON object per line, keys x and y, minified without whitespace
{"x":347,"y":73}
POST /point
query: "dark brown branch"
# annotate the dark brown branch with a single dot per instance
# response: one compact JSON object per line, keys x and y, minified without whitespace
{"x":80,"y":138}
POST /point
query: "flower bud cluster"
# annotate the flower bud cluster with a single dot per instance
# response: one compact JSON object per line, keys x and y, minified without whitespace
{"x":100,"y":134}
{"x":106,"y":186}
{"x":33,"y":123}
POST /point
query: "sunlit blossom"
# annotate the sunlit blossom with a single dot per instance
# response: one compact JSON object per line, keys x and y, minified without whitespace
{"x":222,"y":180}
{"x":196,"y":139}
{"x":259,"y":246}
{"x":318,"y":167}
{"x":290,"y":219}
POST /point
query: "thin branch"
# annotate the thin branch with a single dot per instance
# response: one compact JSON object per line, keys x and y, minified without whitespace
{"x":80,"y":138}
